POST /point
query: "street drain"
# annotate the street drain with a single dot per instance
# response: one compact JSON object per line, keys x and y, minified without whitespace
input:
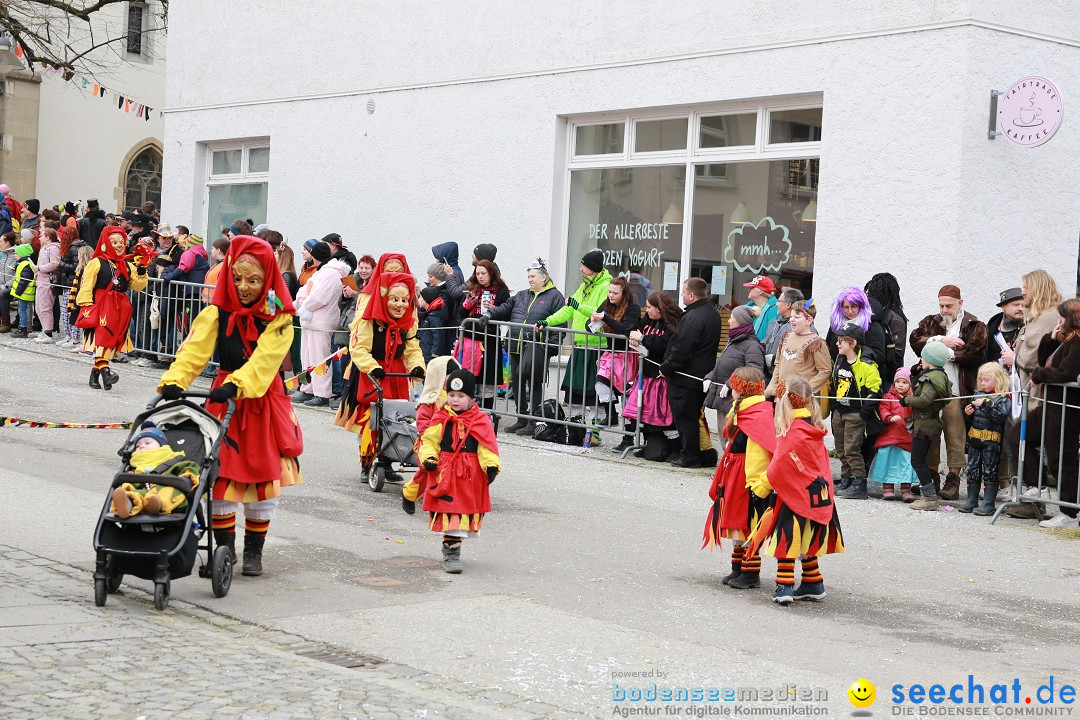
{"x":342,"y":659}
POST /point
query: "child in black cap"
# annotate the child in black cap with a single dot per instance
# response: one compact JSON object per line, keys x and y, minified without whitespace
{"x":853,"y":381}
{"x":460,"y":451}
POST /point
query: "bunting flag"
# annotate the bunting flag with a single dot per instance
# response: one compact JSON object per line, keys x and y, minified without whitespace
{"x":320,"y":368}
{"x":12,"y":422}
{"x":128,"y":105}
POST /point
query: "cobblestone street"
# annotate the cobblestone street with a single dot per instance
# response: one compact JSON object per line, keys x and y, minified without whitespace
{"x":61,"y":657}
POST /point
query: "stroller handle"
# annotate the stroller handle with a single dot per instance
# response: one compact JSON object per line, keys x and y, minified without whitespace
{"x":230,"y":407}
{"x":378,"y":386}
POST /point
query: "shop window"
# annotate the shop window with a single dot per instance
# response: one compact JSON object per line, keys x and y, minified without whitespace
{"x":634,"y":215}
{"x":660,"y":135}
{"x":237,"y":184}
{"x":599,"y":139}
{"x":760,"y":228}
{"x":795,"y":126}
{"x":721,"y":131}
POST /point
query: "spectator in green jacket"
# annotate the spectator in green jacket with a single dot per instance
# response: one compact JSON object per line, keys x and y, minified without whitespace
{"x":579,"y":382}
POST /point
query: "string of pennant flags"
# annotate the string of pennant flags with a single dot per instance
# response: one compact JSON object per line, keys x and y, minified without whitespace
{"x":123,"y":102}
{"x":320,"y":368}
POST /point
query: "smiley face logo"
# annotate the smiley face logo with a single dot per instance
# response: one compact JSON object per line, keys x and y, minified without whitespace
{"x":862,"y":693}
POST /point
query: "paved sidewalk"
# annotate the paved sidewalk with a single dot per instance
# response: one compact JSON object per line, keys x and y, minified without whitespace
{"x":62,"y":657}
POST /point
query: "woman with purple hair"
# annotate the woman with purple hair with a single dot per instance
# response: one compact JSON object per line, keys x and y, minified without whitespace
{"x":853,"y":306}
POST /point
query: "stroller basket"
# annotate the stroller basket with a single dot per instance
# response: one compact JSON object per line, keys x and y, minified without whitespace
{"x":398,"y":433}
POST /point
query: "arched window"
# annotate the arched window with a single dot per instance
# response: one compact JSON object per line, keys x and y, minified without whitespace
{"x":143,"y":180}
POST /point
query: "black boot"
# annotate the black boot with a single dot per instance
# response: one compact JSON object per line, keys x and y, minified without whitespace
{"x":856,"y":490}
{"x":95,"y":376}
{"x":226,"y":538}
{"x":987,"y":506}
{"x":107,"y":378}
{"x":253,"y":547}
{"x":745,"y":581}
{"x":972,"y":498}
{"x":844,"y":484}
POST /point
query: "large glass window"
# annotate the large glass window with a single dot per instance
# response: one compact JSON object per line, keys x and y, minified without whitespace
{"x":634,"y":215}
{"x":755,"y":222}
{"x":229,"y":202}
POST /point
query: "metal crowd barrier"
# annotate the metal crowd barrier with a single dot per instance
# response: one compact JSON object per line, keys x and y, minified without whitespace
{"x":1053,"y":395}
{"x":162,"y":314}
{"x":539,"y":363}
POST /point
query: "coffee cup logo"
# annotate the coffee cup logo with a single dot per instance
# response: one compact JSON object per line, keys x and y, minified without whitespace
{"x":1029,"y":112}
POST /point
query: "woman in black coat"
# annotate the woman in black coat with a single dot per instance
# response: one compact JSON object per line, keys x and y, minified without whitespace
{"x":743,"y":349}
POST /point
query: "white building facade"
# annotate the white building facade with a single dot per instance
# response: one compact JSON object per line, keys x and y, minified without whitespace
{"x":819,"y":142}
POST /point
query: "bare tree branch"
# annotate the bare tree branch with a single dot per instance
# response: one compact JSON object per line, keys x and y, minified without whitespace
{"x":77,"y":35}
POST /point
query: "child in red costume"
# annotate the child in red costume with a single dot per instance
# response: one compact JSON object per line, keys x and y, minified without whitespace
{"x":460,"y":448}
{"x":737,"y":491}
{"x":803,"y":523}
{"x":892,"y":462}
{"x":104,"y":308}
{"x":432,"y":399}
{"x":249,"y":325}
{"x":383,"y":338}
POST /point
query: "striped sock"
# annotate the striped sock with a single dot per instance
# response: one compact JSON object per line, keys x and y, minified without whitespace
{"x":101,"y":364}
{"x":810,"y":572}
{"x":736,"y":558}
{"x":785,"y":571}
{"x":751,"y":564}
{"x":224,"y":522}
{"x":255,"y":528}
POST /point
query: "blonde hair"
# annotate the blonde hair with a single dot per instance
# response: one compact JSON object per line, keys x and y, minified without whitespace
{"x":997,"y":372}
{"x":85,"y":253}
{"x":785,"y":413}
{"x":1041,"y":293}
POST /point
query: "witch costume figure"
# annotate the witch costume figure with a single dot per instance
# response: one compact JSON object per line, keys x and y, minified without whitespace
{"x":249,"y":325}
{"x":104,"y":312}
{"x":383,"y":339}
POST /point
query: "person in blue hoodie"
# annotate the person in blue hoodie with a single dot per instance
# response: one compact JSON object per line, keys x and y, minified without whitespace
{"x":447,"y":253}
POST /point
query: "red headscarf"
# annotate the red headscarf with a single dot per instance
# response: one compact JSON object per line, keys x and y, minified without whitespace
{"x":373,"y":281}
{"x":226,"y":297}
{"x":378,"y":310}
{"x":106,"y":251}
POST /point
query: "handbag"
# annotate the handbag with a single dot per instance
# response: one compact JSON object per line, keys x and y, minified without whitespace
{"x":469,"y":353}
{"x":87,"y":317}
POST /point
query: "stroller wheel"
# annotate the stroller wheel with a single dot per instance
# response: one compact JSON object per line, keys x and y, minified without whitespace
{"x":377,"y":478}
{"x":221,"y":571}
{"x":115,"y":577}
{"x":101,"y":593}
{"x":161,"y":595}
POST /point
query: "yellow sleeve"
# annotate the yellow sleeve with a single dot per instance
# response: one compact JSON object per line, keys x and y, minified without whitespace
{"x":487,"y":457}
{"x":430,"y":443}
{"x":195,"y":351}
{"x":360,"y":340}
{"x":757,"y":462}
{"x":254,"y":378}
{"x":136,"y":281}
{"x":87,"y":283}
{"x":414,"y":356}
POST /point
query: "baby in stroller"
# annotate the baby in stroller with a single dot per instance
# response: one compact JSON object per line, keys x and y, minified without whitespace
{"x":153,"y":455}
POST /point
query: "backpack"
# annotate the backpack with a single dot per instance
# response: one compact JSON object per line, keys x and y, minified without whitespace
{"x":895,"y":357}
{"x":551,"y":432}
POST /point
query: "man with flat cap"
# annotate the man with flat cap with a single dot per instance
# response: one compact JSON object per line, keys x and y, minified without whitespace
{"x":965,"y":336}
{"x":1008,"y":323}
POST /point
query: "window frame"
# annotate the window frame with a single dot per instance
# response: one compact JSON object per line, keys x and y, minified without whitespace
{"x":244,"y":177}
{"x":690,"y":157}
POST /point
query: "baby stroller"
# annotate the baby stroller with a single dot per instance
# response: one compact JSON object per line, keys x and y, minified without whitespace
{"x":395,"y":421}
{"x":163,"y":547}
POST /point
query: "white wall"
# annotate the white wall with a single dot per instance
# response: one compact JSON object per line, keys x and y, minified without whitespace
{"x":83,"y":140}
{"x":907,"y":176}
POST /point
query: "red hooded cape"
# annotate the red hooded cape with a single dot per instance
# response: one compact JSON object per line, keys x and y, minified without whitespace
{"x":227,"y":299}
{"x":106,"y":251}
{"x":460,"y":485}
{"x":800,"y":474}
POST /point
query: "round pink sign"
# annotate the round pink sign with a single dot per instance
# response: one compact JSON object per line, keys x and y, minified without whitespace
{"x":1029,"y":113}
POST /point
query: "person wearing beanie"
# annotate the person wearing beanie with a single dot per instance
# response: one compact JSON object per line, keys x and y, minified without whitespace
{"x":30,"y":217}
{"x":964,"y":335}
{"x":892,"y":461}
{"x":743,"y":349}
{"x":153,"y":455}
{"x":856,"y":385}
{"x":933,"y":388}
{"x":24,"y":289}
{"x":460,"y":452}
{"x":802,"y":352}
{"x":436,"y":338}
{"x":309,"y":267}
{"x":579,"y":380}
{"x":484,"y":251}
